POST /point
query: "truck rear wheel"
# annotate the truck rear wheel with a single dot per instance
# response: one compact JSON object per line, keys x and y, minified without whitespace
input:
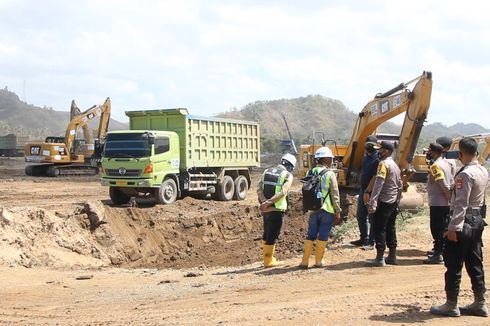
{"x":118,"y":197}
{"x":167,"y":193}
{"x":225,"y":189}
{"x":241,"y":187}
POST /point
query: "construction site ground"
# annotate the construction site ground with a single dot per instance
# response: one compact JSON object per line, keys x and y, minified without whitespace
{"x":69,"y":257}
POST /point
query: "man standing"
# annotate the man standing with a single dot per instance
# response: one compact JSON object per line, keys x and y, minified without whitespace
{"x":383,"y":203}
{"x":272,"y":191}
{"x":321,"y":221}
{"x":439,"y":185}
{"x":369,"y":166}
{"x":464,"y":235}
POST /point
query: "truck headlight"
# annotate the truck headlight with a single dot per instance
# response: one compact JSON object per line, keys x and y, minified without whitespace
{"x":104,"y":182}
{"x":143,"y":183}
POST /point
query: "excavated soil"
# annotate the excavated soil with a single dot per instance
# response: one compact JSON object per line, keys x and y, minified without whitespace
{"x":69,"y":257}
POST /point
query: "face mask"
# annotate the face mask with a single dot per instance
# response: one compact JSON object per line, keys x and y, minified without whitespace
{"x":429,"y":159}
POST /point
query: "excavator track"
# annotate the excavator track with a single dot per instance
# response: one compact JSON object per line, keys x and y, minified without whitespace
{"x":51,"y":170}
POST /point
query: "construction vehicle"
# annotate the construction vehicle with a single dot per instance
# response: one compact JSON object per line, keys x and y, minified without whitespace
{"x":421,"y":164}
{"x":414,"y":103}
{"x":12,"y":145}
{"x":288,"y":145}
{"x":483,"y":141}
{"x":168,"y":154}
{"x":71,"y":155}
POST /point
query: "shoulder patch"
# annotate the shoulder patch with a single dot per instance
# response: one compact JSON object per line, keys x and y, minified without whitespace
{"x":459,"y":182}
{"x":381,"y":170}
{"x":437,"y":172}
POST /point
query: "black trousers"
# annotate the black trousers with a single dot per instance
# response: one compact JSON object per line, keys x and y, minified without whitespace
{"x":384,"y":225}
{"x":467,"y":250}
{"x":439,"y":218}
{"x":272,"y":226}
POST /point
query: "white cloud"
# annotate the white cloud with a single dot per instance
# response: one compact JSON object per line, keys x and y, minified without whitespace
{"x":210,"y":55}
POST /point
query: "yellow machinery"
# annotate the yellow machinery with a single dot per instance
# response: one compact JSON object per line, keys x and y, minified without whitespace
{"x":69,"y":155}
{"x":414,"y":103}
{"x":420,"y":162}
{"x":483,"y":141}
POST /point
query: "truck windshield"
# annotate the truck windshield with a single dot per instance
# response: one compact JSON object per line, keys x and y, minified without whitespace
{"x":127,"y":145}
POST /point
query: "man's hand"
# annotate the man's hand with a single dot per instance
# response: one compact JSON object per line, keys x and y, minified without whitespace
{"x":337,"y":217}
{"x":264,"y":206}
{"x":365,"y":197}
{"x":371,"y":209}
{"x":451,"y":236}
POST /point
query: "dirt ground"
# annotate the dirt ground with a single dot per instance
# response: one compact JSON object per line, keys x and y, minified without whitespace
{"x":68,"y":257}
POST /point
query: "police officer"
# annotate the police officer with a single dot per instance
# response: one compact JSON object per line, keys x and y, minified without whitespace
{"x":439,"y":185}
{"x":272,"y":191}
{"x":446,"y":143}
{"x":464,"y":235}
{"x":369,"y":167}
{"x":383,"y":204}
{"x":321,"y":221}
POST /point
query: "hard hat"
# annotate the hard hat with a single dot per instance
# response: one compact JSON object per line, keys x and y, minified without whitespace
{"x":323,"y":152}
{"x":289,"y":158}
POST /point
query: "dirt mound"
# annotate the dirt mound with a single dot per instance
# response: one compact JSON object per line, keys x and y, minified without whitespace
{"x":189,"y":233}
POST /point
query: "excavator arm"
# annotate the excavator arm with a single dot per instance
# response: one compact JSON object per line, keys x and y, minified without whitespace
{"x":81,"y":121}
{"x":414,"y":103}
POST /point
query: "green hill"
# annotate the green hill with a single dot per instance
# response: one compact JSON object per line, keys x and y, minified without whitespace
{"x":315,"y":113}
{"x":22,"y":119}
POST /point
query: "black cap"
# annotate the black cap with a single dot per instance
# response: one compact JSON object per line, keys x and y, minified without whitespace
{"x":435,"y":147}
{"x":373,"y":140}
{"x":444,"y":141}
{"x":386,"y":145}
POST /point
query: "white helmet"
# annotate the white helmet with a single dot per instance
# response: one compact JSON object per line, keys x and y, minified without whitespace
{"x":323,"y":152}
{"x":290,"y":158}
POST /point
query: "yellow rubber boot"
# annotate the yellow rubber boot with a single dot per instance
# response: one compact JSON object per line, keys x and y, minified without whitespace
{"x":269,"y":259}
{"x":307,"y":249}
{"x":319,"y":251}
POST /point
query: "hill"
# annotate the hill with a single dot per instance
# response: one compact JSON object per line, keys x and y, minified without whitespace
{"x":315,"y":113}
{"x":24,"y":119}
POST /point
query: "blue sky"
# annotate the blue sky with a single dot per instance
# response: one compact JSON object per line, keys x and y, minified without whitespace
{"x":210,"y":56}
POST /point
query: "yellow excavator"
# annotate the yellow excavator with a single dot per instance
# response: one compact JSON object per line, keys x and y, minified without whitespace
{"x":483,"y":141}
{"x":71,"y":155}
{"x":414,"y":103}
{"x":421,"y":164}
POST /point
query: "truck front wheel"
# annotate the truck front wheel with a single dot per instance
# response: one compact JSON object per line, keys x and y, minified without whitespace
{"x":118,"y":197}
{"x":225,"y":189}
{"x":241,"y":187}
{"x":167,"y":193}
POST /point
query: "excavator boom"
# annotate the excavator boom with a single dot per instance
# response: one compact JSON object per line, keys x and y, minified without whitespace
{"x":68,"y":156}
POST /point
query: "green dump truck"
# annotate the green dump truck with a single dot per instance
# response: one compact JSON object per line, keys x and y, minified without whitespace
{"x":168,"y":154}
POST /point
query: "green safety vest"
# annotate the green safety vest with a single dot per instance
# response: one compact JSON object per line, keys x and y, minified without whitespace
{"x":325,"y":186}
{"x":272,"y":181}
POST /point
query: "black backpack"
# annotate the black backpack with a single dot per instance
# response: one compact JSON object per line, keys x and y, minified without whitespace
{"x":310,"y":190}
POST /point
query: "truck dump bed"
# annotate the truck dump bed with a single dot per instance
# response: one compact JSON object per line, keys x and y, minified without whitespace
{"x":204,"y":142}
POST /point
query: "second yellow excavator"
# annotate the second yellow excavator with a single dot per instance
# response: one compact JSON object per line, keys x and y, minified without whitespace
{"x":70,"y":155}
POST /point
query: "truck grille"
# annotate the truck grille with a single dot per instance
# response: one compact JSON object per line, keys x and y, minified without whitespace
{"x":123,"y":172}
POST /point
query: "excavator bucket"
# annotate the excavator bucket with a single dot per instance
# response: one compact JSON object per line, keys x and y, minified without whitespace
{"x":411,"y":199}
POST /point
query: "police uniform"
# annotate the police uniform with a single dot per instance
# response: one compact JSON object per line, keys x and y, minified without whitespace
{"x":439,"y":183}
{"x":384,"y":200}
{"x":466,"y":201}
{"x":273,"y":187}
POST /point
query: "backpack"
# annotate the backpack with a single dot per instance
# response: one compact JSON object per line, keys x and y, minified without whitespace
{"x":312,"y":191}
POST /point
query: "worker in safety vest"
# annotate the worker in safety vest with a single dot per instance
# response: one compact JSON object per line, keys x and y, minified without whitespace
{"x":272,"y":191}
{"x":321,"y":221}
